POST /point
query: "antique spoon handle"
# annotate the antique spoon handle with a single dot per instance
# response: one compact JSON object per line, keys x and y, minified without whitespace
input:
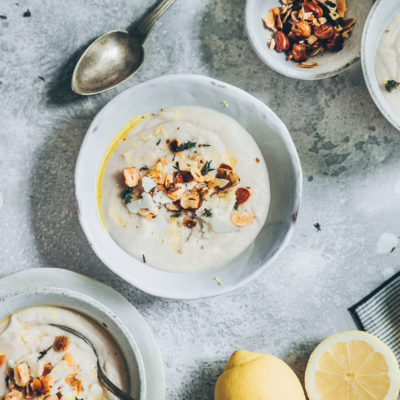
{"x":147,"y":24}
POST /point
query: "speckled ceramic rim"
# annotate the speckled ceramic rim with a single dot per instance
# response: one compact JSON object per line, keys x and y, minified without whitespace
{"x":302,"y":73}
{"x":368,"y":64}
{"x":80,"y":303}
{"x":112,"y":261}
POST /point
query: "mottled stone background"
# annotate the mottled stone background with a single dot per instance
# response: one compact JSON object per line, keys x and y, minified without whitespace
{"x":349,"y":153}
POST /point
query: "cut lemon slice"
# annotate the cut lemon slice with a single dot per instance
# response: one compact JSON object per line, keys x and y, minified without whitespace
{"x":352,"y":365}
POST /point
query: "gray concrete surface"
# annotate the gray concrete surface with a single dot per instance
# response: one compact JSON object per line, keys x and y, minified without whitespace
{"x":349,"y":153}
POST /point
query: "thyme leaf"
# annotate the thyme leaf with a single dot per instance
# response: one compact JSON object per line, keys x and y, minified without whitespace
{"x":43,"y":353}
{"x":207,"y":213}
{"x":186,"y":146}
{"x":391,"y":84}
{"x":127,"y":195}
{"x":206,"y":168}
{"x":317,"y":226}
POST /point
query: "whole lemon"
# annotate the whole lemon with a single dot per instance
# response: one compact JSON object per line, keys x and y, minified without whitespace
{"x":257,"y":376}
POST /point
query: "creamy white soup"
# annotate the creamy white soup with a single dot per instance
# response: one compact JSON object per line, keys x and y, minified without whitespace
{"x":388,"y":64}
{"x":39,"y":361}
{"x":183,"y":189}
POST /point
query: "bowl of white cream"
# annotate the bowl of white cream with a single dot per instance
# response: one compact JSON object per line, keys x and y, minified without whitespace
{"x":187,"y":187}
{"x":48,"y":361}
{"x":380,"y":54}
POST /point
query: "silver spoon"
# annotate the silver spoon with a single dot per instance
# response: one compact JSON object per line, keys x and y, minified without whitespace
{"x":103,"y":379}
{"x":115,"y":56}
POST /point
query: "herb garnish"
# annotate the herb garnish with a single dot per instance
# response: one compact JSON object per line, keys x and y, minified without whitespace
{"x":27,"y":13}
{"x":176,"y":166}
{"x":207,"y":168}
{"x":176,"y":215}
{"x":391,"y":84}
{"x":317,"y":226}
{"x":3,"y":16}
{"x":204,"y":145}
{"x":41,"y":78}
{"x":144,"y":258}
{"x":159,"y":141}
{"x":144,"y":168}
{"x":43,"y":353}
{"x":127,"y":195}
{"x":207,"y":213}
{"x":186,"y":146}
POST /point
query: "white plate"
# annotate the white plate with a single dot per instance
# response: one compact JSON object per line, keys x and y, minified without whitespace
{"x":378,"y":20}
{"x":59,"y":287}
{"x":274,"y":142}
{"x":329,"y":64}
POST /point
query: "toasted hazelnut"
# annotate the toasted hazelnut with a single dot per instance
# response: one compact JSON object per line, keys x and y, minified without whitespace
{"x":47,"y":383}
{"x":131,"y":177}
{"x":174,"y":145}
{"x":314,"y":8}
{"x":2,"y":359}
{"x":21,"y":374}
{"x":225,"y":166}
{"x":242,"y":218}
{"x":175,"y":192}
{"x":72,"y":380}
{"x":191,"y":200}
{"x":47,"y":367}
{"x":232,"y":177}
{"x":348,"y":23}
{"x":145,"y":212}
{"x":298,"y":52}
{"x":169,"y":180}
{"x":173,"y":206}
{"x":61,"y":343}
{"x":324,"y":31}
{"x":305,"y":64}
{"x":242,"y":195}
{"x":335,"y":43}
{"x":281,"y":42}
{"x":189,"y":223}
{"x":341,"y":7}
{"x":219,"y":183}
{"x":203,"y":189}
{"x":183,"y":177}
{"x":269,"y":19}
{"x":301,"y":30}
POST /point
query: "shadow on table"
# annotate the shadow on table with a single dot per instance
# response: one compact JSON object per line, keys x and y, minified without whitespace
{"x":334,"y":123}
{"x":200,"y":385}
{"x":54,"y":219}
{"x":298,"y":355}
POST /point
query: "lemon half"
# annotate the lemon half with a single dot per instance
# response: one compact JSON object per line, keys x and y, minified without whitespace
{"x":352,"y":365}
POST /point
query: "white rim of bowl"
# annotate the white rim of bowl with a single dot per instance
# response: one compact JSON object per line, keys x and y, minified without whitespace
{"x":305,"y":77}
{"x":366,"y":72}
{"x":81,"y":297}
{"x":108,"y":261}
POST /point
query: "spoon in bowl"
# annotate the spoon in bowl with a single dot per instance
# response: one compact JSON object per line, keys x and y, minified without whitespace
{"x":103,"y":379}
{"x":115,"y":56}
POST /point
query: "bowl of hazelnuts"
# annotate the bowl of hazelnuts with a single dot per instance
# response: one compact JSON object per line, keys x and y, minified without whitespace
{"x":307,"y":39}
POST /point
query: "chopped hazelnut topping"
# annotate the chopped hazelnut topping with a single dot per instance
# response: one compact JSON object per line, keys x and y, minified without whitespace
{"x":69,"y":358}
{"x":183,"y":177}
{"x":191,"y":200}
{"x":14,"y":395}
{"x":61,"y":343}
{"x":242,"y":218}
{"x":131,"y":177}
{"x":175,"y":192}
{"x":72,"y":380}
{"x":242,"y":195}
{"x":169,"y":180}
{"x":2,"y":359}
{"x":21,"y":374}
{"x":172,"y":206}
{"x":47,"y":367}
{"x":174,"y":145}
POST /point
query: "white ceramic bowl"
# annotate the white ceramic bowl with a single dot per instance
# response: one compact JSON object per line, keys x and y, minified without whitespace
{"x":329,"y":64}
{"x":271,"y":136}
{"x":379,"y":18}
{"x":85,"y":305}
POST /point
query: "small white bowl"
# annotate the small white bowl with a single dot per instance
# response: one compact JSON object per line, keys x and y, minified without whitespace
{"x":378,"y":20}
{"x":329,"y":64}
{"x":85,"y":305}
{"x":271,"y":136}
